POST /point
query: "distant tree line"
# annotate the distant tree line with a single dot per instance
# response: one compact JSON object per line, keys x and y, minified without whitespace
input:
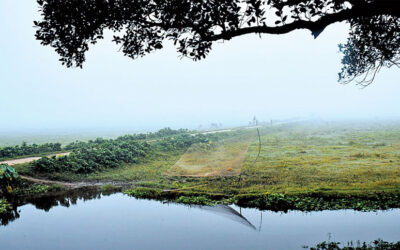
{"x":165,"y":132}
{"x":25,"y":149}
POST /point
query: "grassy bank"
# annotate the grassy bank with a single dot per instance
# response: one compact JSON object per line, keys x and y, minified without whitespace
{"x":329,"y":165}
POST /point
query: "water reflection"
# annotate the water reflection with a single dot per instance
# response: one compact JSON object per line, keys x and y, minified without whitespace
{"x":71,"y":197}
{"x":79,"y":219}
{"x":9,"y":216}
{"x":48,"y":201}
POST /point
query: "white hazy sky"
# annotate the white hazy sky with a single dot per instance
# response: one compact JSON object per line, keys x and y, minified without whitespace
{"x":274,"y":77}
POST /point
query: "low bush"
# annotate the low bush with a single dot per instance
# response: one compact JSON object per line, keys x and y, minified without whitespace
{"x":8,"y":178}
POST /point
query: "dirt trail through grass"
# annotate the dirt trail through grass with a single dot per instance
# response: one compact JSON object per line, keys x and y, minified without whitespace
{"x":222,"y":158}
{"x":29,"y":159}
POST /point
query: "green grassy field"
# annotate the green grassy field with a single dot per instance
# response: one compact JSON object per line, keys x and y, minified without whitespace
{"x":296,"y":159}
{"x":215,"y":158}
{"x":322,"y":158}
{"x":293,"y":159}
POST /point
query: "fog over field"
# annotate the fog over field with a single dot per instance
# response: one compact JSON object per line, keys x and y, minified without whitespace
{"x":274,"y":77}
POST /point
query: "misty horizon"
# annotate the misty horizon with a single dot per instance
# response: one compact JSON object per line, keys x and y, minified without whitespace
{"x":272,"y":78}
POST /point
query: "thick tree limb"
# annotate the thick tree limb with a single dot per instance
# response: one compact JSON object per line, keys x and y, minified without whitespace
{"x":359,"y":9}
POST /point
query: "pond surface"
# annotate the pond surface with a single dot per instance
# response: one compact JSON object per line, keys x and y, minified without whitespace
{"x":118,"y":221}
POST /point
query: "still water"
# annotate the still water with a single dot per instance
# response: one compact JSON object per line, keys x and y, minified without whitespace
{"x":118,"y":221}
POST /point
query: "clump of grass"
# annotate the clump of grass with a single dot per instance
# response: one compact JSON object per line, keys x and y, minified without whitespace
{"x":109,"y":188}
{"x":4,"y":206}
{"x":196,"y":200}
{"x":41,"y":189}
{"x":359,"y":155}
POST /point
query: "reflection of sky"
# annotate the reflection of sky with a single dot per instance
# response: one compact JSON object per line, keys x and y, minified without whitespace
{"x":273,"y":77}
{"x":122,"y":222}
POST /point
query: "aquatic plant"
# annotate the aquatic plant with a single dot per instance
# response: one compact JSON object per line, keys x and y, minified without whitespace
{"x":8,"y":178}
{"x":4,"y":206}
{"x":39,"y":189}
{"x":196,"y":200}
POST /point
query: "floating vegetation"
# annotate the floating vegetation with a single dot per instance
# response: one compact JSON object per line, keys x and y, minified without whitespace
{"x":375,"y":245}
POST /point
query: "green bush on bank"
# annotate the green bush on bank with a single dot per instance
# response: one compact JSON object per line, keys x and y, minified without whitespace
{"x":8,"y":178}
{"x":104,"y":154}
{"x":4,"y":206}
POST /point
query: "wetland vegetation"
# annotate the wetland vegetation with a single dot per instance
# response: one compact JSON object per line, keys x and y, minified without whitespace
{"x":300,"y":166}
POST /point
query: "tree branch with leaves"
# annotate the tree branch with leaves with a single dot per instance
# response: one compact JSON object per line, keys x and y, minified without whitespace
{"x":141,"y":26}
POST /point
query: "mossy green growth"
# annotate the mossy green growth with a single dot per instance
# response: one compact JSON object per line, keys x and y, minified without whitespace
{"x":4,"y":206}
{"x":39,"y":189}
{"x":196,"y":200}
{"x":184,"y":197}
{"x":318,"y":202}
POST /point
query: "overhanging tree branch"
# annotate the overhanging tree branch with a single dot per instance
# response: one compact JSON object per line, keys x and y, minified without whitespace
{"x":194,"y":25}
{"x":359,"y":9}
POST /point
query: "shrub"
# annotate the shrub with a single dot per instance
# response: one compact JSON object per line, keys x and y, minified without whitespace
{"x":8,"y":178}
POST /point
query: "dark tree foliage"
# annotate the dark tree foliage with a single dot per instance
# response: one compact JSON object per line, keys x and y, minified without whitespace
{"x":373,"y":43}
{"x":141,"y":26}
{"x":25,"y":149}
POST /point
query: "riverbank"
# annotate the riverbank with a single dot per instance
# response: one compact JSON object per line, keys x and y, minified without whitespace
{"x":297,"y":166}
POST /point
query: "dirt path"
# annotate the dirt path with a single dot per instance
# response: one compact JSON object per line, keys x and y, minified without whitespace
{"x":29,"y":159}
